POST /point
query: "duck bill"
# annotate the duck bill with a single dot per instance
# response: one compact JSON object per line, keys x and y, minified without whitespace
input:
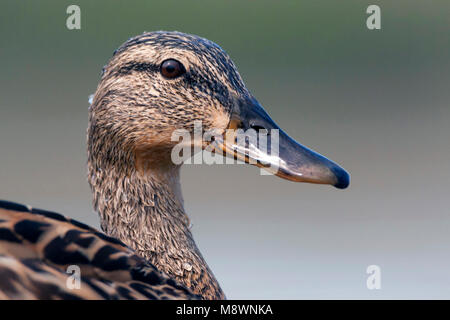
{"x":253,"y":137}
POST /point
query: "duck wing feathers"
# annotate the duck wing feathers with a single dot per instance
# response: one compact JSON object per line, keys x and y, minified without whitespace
{"x":39,"y":251}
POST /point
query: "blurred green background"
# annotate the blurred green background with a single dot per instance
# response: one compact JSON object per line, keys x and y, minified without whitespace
{"x":377,"y":102}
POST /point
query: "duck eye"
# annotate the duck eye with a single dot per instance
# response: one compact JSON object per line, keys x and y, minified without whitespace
{"x":172,"y":69}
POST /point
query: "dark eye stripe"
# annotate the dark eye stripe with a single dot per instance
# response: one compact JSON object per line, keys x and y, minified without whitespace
{"x":139,"y":67}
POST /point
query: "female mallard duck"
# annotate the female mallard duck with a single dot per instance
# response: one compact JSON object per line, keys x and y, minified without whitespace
{"x":154,"y":84}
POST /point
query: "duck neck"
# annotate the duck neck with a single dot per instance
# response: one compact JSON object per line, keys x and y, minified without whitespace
{"x":144,"y":209}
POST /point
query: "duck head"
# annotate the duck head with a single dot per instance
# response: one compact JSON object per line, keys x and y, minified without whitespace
{"x":160,"y":82}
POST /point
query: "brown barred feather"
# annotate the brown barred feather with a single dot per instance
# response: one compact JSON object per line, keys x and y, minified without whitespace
{"x":36,"y":250}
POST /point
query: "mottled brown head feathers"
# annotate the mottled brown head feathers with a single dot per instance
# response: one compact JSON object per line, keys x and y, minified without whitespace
{"x":137,"y":108}
{"x":133,"y":114}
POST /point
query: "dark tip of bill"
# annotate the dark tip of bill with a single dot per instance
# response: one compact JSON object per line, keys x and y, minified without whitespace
{"x":342,"y":177}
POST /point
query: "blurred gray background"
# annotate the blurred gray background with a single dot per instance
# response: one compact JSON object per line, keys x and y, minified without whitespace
{"x":377,"y":102}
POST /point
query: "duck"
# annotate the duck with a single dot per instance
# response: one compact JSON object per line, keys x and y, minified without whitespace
{"x":154,"y":84}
